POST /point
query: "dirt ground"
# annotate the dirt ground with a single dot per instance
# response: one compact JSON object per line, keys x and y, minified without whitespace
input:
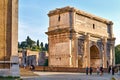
{"x":26,"y":72}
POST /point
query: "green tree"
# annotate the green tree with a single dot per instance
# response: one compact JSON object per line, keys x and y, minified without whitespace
{"x":23,"y":45}
{"x":18,"y":44}
{"x":35,"y":48}
{"x":41,"y":45}
{"x":46,"y":46}
{"x":38,"y":44}
{"x":30,"y":42}
{"x":46,"y":62}
{"x":117,"y":54}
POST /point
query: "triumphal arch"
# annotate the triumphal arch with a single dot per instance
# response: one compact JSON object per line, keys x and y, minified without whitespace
{"x":9,"y":65}
{"x":79,"y":39}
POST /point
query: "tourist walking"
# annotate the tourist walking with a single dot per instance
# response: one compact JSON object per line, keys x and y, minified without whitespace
{"x":109,"y":69}
{"x":24,"y":66}
{"x":98,"y":70}
{"x":91,"y":70}
{"x":87,"y":70}
{"x":113,"y":70}
{"x":32,"y":67}
{"x":101,"y":71}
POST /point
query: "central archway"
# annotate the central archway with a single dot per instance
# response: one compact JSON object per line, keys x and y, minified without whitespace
{"x":94,"y":56}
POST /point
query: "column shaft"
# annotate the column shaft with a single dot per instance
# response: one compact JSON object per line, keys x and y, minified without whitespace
{"x":104,"y":53}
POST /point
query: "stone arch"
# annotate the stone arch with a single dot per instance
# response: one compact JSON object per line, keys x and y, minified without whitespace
{"x":94,"y":56}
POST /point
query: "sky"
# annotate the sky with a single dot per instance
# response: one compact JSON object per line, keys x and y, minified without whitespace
{"x":34,"y":22}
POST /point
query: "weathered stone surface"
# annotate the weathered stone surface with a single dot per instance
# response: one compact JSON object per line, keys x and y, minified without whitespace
{"x":9,"y":34}
{"x":79,"y":39}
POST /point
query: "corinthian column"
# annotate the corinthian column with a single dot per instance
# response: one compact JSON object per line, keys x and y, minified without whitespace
{"x":112,"y":52}
{"x":104,"y":53}
{"x":87,"y":50}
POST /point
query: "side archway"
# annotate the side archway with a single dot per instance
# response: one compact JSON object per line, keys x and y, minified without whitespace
{"x":94,"y":56}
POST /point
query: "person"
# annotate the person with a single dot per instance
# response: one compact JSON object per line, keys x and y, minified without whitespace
{"x":113,"y":70}
{"x":87,"y":70}
{"x":24,"y":66}
{"x":91,"y":70}
{"x":98,"y":70}
{"x":109,"y":69}
{"x":101,"y":71}
{"x":32,"y":67}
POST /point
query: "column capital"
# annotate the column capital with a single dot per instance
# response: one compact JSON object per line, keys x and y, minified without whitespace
{"x":104,"y":40}
{"x":87,"y":36}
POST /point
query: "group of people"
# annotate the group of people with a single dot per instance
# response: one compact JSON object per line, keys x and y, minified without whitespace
{"x":99,"y":70}
{"x":89,"y":70}
{"x":111,"y":69}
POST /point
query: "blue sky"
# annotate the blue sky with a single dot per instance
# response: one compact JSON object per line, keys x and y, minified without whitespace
{"x":33,"y":19}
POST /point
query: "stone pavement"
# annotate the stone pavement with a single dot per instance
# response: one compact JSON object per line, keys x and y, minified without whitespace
{"x":70,"y":76}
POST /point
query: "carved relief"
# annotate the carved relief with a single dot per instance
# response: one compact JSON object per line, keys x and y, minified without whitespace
{"x":108,"y":49}
{"x":80,"y":46}
{"x":100,"y":45}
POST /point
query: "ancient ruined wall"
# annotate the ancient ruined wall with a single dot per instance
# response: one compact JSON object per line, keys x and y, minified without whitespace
{"x":88,"y":25}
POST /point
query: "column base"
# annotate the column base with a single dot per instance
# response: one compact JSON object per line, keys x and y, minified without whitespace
{"x":14,"y":69}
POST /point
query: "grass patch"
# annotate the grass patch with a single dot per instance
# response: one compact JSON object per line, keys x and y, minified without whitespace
{"x":113,"y":78}
{"x":26,"y":72}
{"x":9,"y":78}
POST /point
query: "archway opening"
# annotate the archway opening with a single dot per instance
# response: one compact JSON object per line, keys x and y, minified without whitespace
{"x":94,"y":56}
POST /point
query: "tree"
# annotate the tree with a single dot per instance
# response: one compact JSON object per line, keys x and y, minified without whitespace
{"x":29,"y":42}
{"x":32,"y":45}
{"x":23,"y":44}
{"x":46,"y":62}
{"x":38,"y":43}
{"x":41,"y":45}
{"x":117,"y":54}
{"x":18,"y":44}
{"x":46,"y":46}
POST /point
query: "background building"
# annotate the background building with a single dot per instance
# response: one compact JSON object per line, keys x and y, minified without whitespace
{"x":28,"y":58}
